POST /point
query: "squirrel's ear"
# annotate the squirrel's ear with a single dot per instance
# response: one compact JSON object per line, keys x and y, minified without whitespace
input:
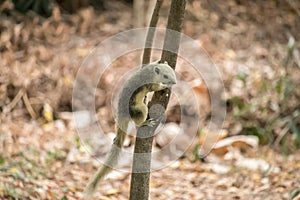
{"x":157,"y":70}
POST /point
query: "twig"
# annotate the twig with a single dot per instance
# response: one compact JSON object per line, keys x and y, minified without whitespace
{"x":28,"y":106}
{"x":14,"y":102}
{"x":282,"y":133}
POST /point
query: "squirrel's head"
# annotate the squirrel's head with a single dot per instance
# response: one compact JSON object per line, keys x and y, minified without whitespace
{"x":164,"y":75}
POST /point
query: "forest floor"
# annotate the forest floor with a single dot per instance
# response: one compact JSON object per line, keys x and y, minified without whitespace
{"x":41,"y":156}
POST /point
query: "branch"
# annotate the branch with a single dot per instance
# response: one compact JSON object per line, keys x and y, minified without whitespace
{"x":151,"y":31}
{"x":144,"y":139}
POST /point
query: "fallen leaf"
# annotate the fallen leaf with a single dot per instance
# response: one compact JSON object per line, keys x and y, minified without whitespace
{"x":112,"y":191}
{"x":239,"y":142}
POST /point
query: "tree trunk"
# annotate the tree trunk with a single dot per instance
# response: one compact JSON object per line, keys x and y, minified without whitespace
{"x":143,"y":145}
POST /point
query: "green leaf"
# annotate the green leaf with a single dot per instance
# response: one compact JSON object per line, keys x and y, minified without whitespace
{"x":2,"y":160}
{"x":264,"y":86}
{"x":296,"y":131}
{"x":262,"y":135}
{"x":236,"y":101}
{"x":242,"y":76}
{"x":288,"y":89}
{"x":196,"y":152}
{"x":295,"y":192}
{"x":78,"y":143}
{"x":279,"y":86}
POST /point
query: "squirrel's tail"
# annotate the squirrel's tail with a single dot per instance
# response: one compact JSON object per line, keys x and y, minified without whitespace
{"x":110,"y":162}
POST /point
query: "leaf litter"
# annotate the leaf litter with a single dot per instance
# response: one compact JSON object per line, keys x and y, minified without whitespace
{"x":41,"y":157}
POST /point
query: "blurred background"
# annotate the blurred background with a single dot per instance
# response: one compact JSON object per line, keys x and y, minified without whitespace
{"x":255,"y":45}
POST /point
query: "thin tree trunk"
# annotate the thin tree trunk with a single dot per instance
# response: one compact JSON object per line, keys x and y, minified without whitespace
{"x":151,"y":31}
{"x":139,"y":189}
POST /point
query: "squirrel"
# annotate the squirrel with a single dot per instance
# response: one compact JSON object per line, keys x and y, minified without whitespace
{"x":131,"y":106}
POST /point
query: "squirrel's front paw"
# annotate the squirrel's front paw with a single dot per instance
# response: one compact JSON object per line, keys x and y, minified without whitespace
{"x":149,"y":122}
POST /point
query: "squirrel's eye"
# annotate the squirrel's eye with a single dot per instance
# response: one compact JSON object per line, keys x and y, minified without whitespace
{"x":166,"y":77}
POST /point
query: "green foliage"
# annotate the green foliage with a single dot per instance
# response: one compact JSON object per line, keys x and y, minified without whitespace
{"x":236,"y":101}
{"x":273,"y":115}
{"x":242,"y":76}
{"x":2,"y":160}
{"x":262,"y":134}
{"x":31,"y":161}
{"x":56,"y":155}
{"x":295,"y":192}
{"x":12,"y":193}
{"x":279,"y":87}
{"x":196,"y":155}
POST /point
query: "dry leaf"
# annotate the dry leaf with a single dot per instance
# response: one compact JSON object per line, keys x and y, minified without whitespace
{"x":239,"y":142}
{"x":112,"y":191}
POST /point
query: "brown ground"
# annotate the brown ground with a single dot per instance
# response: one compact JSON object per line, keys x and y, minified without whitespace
{"x":41,"y":157}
